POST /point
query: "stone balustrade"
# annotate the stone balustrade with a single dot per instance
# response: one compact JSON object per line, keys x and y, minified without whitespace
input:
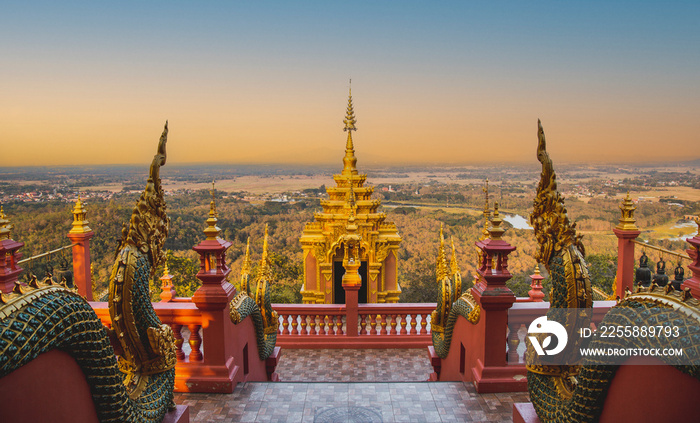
{"x":397,"y":325}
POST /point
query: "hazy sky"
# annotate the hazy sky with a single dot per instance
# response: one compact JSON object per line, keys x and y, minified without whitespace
{"x":433,"y":82}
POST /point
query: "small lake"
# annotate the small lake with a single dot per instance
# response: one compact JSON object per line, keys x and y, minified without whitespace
{"x":684,"y":225}
{"x":518,"y":221}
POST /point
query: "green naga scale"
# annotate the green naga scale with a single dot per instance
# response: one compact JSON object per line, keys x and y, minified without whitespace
{"x":576,"y":393}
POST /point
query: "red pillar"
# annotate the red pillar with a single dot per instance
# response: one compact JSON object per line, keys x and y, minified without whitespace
{"x":217,"y":372}
{"x":625,"y":260}
{"x":81,"y":263}
{"x":694,"y":282}
{"x":626,"y":232}
{"x":491,"y":371}
{"x":351,"y":309}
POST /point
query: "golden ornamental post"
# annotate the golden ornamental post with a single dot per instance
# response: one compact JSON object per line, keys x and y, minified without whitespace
{"x":626,"y":232}
{"x":80,"y":235}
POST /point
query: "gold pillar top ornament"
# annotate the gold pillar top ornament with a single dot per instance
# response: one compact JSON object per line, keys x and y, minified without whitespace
{"x":349,"y":161}
{"x":495,"y":230}
{"x":627,"y":219}
{"x":212,"y":231}
{"x":441,"y":264}
{"x":5,"y":226}
{"x":166,"y":271}
{"x":80,"y":223}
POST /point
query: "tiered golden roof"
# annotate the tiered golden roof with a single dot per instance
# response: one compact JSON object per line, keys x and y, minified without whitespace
{"x":349,"y":206}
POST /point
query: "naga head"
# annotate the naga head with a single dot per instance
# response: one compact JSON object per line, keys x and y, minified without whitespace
{"x":149,"y":223}
{"x":552,"y":226}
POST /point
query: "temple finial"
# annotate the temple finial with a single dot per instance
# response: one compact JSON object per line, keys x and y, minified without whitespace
{"x":627,"y":219}
{"x":487,"y":212}
{"x":212,"y":205}
{"x":212,"y":231}
{"x":495,"y":230}
{"x":80,"y":223}
{"x":349,"y":161}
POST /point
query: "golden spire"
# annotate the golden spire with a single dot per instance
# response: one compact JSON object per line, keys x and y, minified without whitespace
{"x":245,"y":270}
{"x":487,"y":212}
{"x":627,"y":219}
{"x":212,"y":204}
{"x":454,"y":266}
{"x":246,"y":260}
{"x":212,"y":231}
{"x":5,"y":226}
{"x":349,"y":161}
{"x":441,"y":265}
{"x":264,"y":270}
{"x":80,"y":223}
{"x":495,"y":230}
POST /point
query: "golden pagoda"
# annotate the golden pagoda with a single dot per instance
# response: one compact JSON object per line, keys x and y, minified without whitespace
{"x":350,"y":210}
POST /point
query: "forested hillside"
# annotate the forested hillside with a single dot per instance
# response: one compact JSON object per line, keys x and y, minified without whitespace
{"x":43,"y":226}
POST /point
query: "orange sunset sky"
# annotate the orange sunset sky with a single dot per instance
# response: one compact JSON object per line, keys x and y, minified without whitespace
{"x":453,"y":83}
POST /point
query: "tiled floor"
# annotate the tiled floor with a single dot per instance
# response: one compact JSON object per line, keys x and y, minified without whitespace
{"x":374,"y":402}
{"x":316,"y":392}
{"x":354,"y":365}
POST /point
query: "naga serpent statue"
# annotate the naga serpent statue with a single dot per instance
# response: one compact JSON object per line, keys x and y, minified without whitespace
{"x":576,"y":393}
{"x":36,"y":319}
{"x":265,"y":319}
{"x":450,"y":304}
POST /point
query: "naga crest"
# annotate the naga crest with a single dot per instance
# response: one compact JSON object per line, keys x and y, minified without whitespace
{"x":553,"y":229}
{"x":149,"y":223}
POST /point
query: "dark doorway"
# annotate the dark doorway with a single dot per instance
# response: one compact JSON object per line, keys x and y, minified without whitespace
{"x":339,"y":291}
